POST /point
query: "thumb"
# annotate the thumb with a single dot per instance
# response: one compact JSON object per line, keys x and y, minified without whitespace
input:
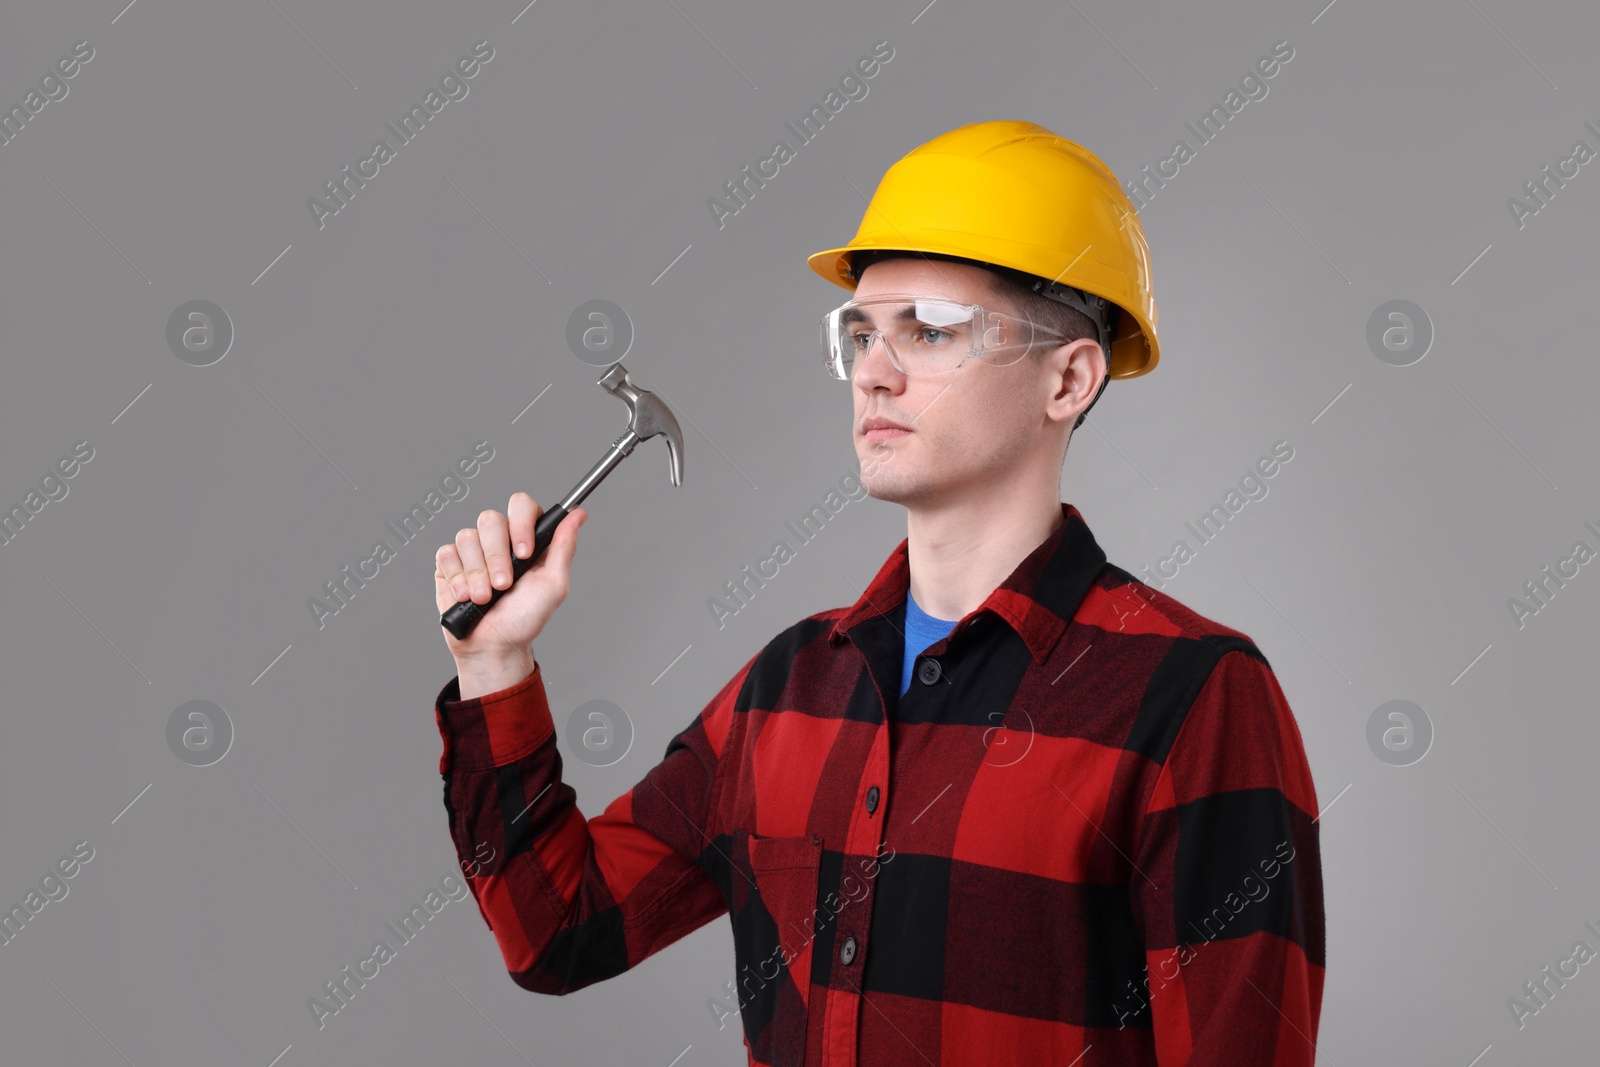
{"x":565,"y":541}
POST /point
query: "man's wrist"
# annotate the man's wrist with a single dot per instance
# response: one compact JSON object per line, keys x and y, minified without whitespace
{"x":489,"y":672}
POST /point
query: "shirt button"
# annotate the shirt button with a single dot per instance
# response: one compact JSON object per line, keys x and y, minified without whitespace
{"x":872,"y":800}
{"x":847,"y":951}
{"x":929,"y":671}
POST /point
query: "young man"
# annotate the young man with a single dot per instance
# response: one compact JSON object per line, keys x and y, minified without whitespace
{"x":1012,"y":806}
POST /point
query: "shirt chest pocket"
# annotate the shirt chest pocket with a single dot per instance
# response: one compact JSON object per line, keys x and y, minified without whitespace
{"x":773,"y":907}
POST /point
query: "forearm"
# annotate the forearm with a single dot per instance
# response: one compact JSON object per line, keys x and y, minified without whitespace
{"x":514,"y":822}
{"x":516,"y":893}
{"x":570,"y":900}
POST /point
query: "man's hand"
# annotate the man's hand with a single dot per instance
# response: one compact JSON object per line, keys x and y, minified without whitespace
{"x":496,"y":654}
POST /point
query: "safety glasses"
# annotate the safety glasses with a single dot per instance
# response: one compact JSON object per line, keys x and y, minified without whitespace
{"x":925,"y":336}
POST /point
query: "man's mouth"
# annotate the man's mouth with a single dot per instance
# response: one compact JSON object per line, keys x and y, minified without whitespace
{"x":879,"y":429}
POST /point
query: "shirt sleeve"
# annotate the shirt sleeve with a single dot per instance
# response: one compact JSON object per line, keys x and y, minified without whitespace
{"x":574,"y":900}
{"x":1228,"y":886}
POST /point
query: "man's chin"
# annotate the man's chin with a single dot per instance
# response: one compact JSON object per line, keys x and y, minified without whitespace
{"x":893,"y":487}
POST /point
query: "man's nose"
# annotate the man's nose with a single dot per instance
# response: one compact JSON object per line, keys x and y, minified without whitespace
{"x":877,"y":365}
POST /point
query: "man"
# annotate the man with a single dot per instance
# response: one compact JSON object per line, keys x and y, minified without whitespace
{"x":1012,"y":806}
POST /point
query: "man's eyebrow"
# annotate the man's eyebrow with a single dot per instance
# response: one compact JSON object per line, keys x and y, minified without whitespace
{"x":854,"y":314}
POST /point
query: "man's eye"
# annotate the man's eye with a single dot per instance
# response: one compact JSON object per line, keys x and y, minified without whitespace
{"x":925,"y":331}
{"x":860,"y":341}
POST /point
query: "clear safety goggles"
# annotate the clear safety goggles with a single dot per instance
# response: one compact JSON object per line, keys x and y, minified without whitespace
{"x":925,"y":336}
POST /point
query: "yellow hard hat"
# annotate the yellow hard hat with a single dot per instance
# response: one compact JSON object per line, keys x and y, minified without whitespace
{"x":1017,"y":195}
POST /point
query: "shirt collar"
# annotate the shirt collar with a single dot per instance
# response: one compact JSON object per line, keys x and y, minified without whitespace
{"x":1038,"y":599}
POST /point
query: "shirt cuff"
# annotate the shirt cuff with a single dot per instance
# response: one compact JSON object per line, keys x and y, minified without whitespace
{"x":495,"y":729}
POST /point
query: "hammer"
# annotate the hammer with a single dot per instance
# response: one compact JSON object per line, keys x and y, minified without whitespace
{"x":648,"y":416}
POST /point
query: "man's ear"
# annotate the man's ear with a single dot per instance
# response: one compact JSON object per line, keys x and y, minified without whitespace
{"x":1077,"y":371}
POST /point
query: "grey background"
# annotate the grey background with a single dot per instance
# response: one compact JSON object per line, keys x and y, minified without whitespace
{"x":375,"y":351}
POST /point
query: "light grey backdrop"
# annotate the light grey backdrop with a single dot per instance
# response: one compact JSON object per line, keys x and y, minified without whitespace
{"x":370,"y":354}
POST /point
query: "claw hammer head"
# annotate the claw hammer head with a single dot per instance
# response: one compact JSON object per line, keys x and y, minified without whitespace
{"x":648,"y":416}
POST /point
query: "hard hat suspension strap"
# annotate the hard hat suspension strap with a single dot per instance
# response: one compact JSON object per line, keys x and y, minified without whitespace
{"x":1100,"y":311}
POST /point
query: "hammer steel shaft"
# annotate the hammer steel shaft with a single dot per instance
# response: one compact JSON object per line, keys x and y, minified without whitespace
{"x":649,"y":416}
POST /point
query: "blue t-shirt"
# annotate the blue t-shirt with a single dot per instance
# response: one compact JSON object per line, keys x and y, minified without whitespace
{"x":922,"y":630}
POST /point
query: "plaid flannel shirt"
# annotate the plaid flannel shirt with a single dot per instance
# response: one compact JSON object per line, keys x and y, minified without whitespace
{"x":1086,"y":835}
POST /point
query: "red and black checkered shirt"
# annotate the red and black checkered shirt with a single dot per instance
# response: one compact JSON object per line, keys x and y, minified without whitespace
{"x":1086,"y":835}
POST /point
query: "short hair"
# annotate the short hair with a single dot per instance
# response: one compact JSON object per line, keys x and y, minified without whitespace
{"x":1014,"y":286}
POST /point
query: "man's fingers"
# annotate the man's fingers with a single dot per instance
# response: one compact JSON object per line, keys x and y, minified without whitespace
{"x":443,"y":594}
{"x":523,"y":512}
{"x":477,"y":573}
{"x":495,"y":540}
{"x":564,"y":545}
{"x":449,"y":572}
